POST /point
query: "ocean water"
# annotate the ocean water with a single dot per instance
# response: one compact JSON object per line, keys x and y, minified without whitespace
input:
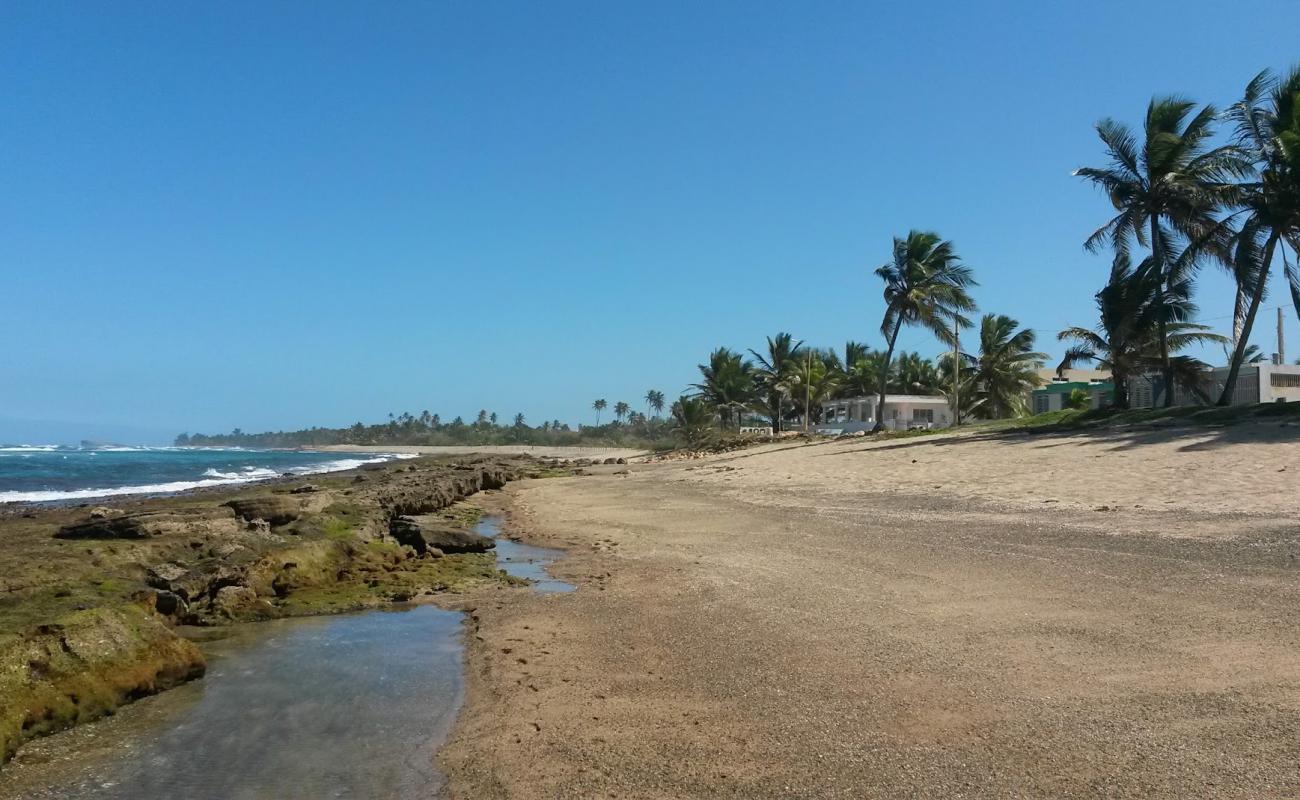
{"x":50,"y":474}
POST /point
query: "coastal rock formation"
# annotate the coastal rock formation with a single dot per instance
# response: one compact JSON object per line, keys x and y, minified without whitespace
{"x":145,"y":524}
{"x":432,"y":535}
{"x":275,"y":509}
{"x":92,"y":592}
{"x":84,"y":665}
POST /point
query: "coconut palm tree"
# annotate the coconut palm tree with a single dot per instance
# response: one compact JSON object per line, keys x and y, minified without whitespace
{"x":1172,"y":184}
{"x":774,"y":374}
{"x":1127,"y":340}
{"x":1006,"y":369}
{"x":816,"y":377}
{"x":925,"y":284}
{"x":692,"y":419}
{"x":1268,"y":132}
{"x":621,"y":409}
{"x":599,"y":406}
{"x":727,"y":384}
{"x":915,"y":374}
{"x":654,"y":399}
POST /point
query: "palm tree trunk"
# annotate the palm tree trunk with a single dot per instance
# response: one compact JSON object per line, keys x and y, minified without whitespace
{"x":1157,"y":257}
{"x":776,"y":420}
{"x":1239,"y":352}
{"x":884,"y":378}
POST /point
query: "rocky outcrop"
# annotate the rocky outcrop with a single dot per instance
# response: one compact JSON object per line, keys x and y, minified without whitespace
{"x":412,"y":495}
{"x":274,"y":509}
{"x":83,"y":666}
{"x":433,"y":536}
{"x":146,"y":524}
{"x":336,"y":545}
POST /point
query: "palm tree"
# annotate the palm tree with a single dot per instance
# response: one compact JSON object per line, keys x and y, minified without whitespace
{"x":1253,"y":354}
{"x":774,"y":374}
{"x":1127,"y":340}
{"x":692,"y":418}
{"x":915,"y":374}
{"x":816,"y":377}
{"x":1169,"y":187}
{"x":599,"y":406}
{"x":1006,"y":369}
{"x":621,"y":409}
{"x":727,"y":383}
{"x":925,"y":284}
{"x":519,"y":420}
{"x":1268,"y":131}
{"x":654,"y":399}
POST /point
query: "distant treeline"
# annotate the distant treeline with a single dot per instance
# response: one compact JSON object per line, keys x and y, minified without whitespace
{"x":430,"y":429}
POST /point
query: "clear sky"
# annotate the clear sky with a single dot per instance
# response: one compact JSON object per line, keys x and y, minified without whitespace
{"x":274,"y":215}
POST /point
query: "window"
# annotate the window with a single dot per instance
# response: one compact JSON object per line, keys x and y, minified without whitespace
{"x":1284,"y":380}
{"x":923,"y":415}
{"x":1042,"y":403}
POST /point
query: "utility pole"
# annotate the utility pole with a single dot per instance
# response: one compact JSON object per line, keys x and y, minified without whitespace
{"x":1281,"y":343}
{"x":807,"y":383}
{"x":956,"y":373}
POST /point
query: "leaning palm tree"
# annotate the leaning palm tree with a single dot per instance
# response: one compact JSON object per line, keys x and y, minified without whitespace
{"x":775,"y":373}
{"x":621,"y":409}
{"x":654,"y":400}
{"x":727,"y":384}
{"x":1170,"y":185}
{"x":1268,"y":131}
{"x":1006,"y":369}
{"x":1127,"y":340}
{"x":925,"y":284}
{"x":599,"y":406}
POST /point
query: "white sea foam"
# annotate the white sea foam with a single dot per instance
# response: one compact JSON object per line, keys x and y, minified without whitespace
{"x":211,"y":477}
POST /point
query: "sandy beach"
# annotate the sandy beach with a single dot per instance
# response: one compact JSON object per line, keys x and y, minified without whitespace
{"x":1099,"y":615}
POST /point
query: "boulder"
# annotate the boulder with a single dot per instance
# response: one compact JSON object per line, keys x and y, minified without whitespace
{"x":168,"y":604}
{"x":276,"y":510}
{"x":240,"y":602}
{"x":431,"y":535}
{"x":306,"y":488}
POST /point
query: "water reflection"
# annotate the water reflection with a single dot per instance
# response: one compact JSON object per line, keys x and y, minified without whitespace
{"x":524,"y":560}
{"x":328,"y":707}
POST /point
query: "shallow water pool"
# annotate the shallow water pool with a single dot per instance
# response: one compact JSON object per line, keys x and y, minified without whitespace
{"x":349,"y":706}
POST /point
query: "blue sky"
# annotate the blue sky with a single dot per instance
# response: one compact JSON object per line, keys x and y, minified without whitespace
{"x":272,"y":215}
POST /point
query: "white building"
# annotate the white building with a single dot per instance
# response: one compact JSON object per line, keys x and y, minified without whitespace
{"x":1262,"y":382}
{"x":902,"y":412}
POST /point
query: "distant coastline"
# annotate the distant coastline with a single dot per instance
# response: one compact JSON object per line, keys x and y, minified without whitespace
{"x":556,"y":451}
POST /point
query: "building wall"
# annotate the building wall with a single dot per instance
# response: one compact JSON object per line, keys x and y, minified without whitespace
{"x":859,"y":413}
{"x":1256,"y":383}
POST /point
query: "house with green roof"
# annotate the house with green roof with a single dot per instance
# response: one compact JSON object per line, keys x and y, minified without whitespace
{"x":1054,"y":395}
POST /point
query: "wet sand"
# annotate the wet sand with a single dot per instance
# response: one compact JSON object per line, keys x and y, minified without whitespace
{"x":906,"y":619}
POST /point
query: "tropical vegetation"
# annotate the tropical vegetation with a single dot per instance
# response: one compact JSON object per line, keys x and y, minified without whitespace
{"x":1184,"y":198}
